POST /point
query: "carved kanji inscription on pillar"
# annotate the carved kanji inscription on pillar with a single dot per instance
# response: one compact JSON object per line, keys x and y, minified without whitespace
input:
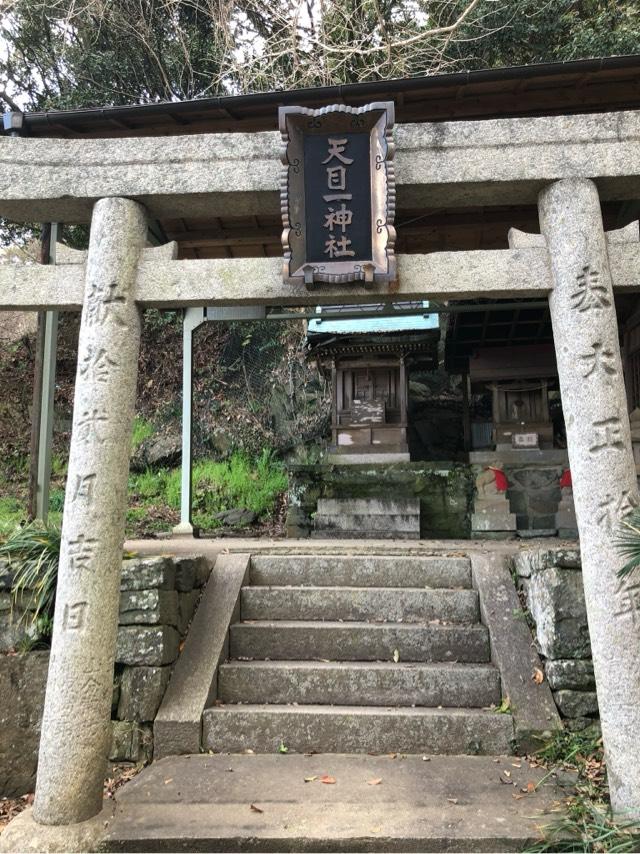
{"x":82,"y":487}
{"x":73,"y":616}
{"x":600,"y":360}
{"x":590,"y":294}
{"x":613,"y":508}
{"x":96,"y":364}
{"x":607,"y":434}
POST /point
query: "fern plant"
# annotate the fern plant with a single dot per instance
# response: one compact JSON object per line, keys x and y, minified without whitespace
{"x":33,"y":554}
{"x":628,"y":542}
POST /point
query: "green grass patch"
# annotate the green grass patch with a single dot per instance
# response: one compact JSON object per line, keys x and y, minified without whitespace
{"x":56,"y":500}
{"x":238,"y":482}
{"x":12,"y":512}
{"x":58,"y":466}
{"x":587,"y":823}
{"x":149,"y":485}
{"x":142,"y":429}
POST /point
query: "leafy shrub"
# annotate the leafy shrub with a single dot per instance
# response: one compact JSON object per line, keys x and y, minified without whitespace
{"x":33,"y":553}
{"x":628,"y":542}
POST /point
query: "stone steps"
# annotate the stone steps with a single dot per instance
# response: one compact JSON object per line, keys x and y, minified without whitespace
{"x":369,"y":506}
{"x":368,"y":517}
{"x":396,"y":523}
{"x":358,"y":654}
{"x":355,"y":729}
{"x":360,"y":571}
{"x":380,"y":604}
{"x":358,"y":683}
{"x":355,"y":534}
{"x":339,"y":641}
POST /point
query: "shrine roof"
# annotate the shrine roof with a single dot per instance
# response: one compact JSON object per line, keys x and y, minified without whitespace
{"x":577,"y":86}
{"x":328,"y":321}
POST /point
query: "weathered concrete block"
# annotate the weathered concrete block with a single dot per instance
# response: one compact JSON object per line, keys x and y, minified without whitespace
{"x":178,"y":724}
{"x":147,"y":645}
{"x":13,"y":628}
{"x":556,"y":601}
{"x":574,"y":674}
{"x":141,"y":692}
{"x":148,"y":607}
{"x":577,"y":704}
{"x":493,"y":521}
{"x":537,"y":560}
{"x":23,"y":679}
{"x":187,"y":603}
{"x":186,"y":572}
{"x":532,"y":706}
{"x":130,"y":742}
{"x":148,"y":573}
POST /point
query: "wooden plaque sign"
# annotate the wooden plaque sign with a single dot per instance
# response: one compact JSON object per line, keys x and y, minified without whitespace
{"x":338,"y":194}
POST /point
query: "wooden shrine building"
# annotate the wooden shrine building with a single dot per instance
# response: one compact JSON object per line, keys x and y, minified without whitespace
{"x":367,"y":361}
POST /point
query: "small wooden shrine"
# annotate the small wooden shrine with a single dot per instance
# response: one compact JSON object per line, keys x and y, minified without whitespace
{"x":368,"y":359}
{"x":519,"y":379}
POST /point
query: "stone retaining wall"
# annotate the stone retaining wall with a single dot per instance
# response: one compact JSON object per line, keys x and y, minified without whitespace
{"x":444,"y":490}
{"x":550,"y":580}
{"x":157,"y":601}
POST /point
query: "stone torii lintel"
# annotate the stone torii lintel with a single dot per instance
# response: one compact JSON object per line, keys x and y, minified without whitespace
{"x":447,"y":163}
{"x":518,"y":273}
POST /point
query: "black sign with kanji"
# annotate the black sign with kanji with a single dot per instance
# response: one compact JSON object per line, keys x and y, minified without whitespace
{"x":338,"y":194}
{"x":337,"y":191}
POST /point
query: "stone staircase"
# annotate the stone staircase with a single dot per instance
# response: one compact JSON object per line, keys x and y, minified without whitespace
{"x":358,"y":654}
{"x":372,"y":518}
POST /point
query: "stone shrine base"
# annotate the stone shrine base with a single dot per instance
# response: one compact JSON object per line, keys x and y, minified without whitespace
{"x":262,"y":803}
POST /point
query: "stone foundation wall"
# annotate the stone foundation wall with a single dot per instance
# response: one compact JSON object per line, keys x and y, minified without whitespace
{"x":157,"y":601}
{"x":534,"y":494}
{"x":445,"y":492}
{"x":550,"y":581}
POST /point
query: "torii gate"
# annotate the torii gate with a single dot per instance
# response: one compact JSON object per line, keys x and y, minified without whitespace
{"x":566,"y":163}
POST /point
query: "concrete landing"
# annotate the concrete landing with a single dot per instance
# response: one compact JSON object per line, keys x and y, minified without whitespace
{"x":262,"y":803}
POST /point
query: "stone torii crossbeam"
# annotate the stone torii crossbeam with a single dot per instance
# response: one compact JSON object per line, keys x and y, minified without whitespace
{"x":563,"y":162}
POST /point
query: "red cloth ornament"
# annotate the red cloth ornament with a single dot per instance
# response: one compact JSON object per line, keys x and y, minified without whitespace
{"x":565,"y":480}
{"x":501,"y":479}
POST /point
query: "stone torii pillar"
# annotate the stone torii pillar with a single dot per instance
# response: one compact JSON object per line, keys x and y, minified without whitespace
{"x":75,"y":726}
{"x":585,"y":333}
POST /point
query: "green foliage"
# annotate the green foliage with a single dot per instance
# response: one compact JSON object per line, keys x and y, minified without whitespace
{"x":12,"y":512}
{"x":142,"y":429}
{"x":58,"y":466}
{"x":149,"y":484}
{"x":64,"y":54}
{"x":628,"y":542}
{"x":56,"y":500}
{"x":61,"y":54}
{"x":528,"y":31}
{"x":570,"y":748}
{"x":586,"y":823}
{"x":33,"y":553}
{"x":589,"y":826}
{"x":238,"y":482}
